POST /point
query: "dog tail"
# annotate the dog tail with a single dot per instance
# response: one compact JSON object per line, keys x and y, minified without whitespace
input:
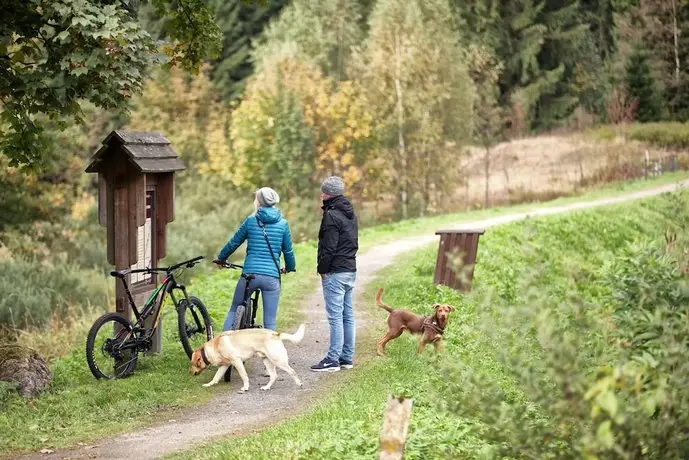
{"x":294,"y":338}
{"x":379,"y":301}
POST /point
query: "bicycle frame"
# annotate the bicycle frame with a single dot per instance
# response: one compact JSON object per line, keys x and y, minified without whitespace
{"x":250,"y":299}
{"x":154,"y":303}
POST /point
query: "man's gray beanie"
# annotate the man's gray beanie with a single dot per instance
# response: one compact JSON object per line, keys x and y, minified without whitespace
{"x":333,"y":186}
{"x":267,"y":197}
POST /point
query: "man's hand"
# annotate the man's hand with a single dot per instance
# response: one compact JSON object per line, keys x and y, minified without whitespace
{"x":219,"y":262}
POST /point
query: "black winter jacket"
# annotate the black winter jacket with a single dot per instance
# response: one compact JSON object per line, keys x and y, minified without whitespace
{"x":338,"y":237}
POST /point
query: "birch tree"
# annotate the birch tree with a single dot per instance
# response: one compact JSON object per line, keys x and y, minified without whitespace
{"x":412,"y":67}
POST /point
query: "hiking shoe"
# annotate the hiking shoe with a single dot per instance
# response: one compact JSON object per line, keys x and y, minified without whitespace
{"x":326,"y":365}
{"x":344,"y":364}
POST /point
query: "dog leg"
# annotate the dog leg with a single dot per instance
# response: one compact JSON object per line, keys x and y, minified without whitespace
{"x":218,"y":376}
{"x":380,"y":349}
{"x":270,"y":367}
{"x":239,"y":365}
{"x":422,"y":345}
{"x":439,"y":346}
{"x":284,"y":365}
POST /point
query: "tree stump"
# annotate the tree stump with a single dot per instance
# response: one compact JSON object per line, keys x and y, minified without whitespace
{"x":395,"y":428}
{"x":24,"y":368}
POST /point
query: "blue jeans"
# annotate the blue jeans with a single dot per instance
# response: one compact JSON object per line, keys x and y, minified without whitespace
{"x":337,"y":290}
{"x":270,"y":292}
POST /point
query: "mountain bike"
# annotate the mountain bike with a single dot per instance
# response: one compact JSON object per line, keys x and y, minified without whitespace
{"x":245,"y":314}
{"x":114,"y":339}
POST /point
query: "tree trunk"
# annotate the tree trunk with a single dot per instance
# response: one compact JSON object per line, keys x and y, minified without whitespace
{"x":339,"y":65}
{"x":427,"y":174}
{"x":487,"y":176}
{"x":400,"y":127}
{"x":675,"y":34}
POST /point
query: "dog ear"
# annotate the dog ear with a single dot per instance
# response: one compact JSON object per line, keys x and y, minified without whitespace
{"x":435,"y":306}
{"x":452,"y":308}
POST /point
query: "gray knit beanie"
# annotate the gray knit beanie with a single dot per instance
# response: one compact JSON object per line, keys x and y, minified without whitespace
{"x":333,"y":186}
{"x":267,"y":197}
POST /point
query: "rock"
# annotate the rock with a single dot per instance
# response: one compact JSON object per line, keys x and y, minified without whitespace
{"x":25,"y":368}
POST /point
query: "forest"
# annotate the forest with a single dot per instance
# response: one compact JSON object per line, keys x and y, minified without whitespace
{"x":389,"y":94}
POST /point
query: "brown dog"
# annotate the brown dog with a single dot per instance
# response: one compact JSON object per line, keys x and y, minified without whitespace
{"x":431,"y":328}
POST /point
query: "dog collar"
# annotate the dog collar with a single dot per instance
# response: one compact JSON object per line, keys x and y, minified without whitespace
{"x":204,"y":357}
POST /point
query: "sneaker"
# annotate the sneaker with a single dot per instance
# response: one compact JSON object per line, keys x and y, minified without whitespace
{"x":326,"y":365}
{"x":344,"y":364}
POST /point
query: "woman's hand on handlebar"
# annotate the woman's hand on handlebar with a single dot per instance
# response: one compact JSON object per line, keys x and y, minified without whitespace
{"x":226,"y":264}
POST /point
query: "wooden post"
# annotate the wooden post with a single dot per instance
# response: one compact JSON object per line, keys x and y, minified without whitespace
{"x":453,"y":241}
{"x":395,"y":428}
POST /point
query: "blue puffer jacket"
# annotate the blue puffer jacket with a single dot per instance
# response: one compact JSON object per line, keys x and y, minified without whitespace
{"x":258,"y":258}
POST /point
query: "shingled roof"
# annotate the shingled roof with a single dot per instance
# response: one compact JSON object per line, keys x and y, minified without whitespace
{"x":150,"y":152}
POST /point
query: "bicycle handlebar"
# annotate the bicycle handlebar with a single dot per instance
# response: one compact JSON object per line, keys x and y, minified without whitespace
{"x":188,"y":263}
{"x":225,"y":264}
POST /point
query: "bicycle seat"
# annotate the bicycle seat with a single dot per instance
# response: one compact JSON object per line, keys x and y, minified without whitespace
{"x":120,"y":273}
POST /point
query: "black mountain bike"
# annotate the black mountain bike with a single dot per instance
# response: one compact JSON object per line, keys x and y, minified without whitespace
{"x":117,"y":342}
{"x":245,"y":315}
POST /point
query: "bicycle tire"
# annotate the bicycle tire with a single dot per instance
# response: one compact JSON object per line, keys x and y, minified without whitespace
{"x":239,"y":322}
{"x":90,"y":346}
{"x":184,"y":337}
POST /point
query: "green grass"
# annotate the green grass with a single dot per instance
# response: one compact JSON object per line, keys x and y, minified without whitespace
{"x":77,"y":408}
{"x":566,"y":253}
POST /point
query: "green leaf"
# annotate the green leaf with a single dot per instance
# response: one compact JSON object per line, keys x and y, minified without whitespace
{"x":63,"y":36}
{"x":608,"y":402}
{"x":605,"y":435}
{"x":79,"y":71}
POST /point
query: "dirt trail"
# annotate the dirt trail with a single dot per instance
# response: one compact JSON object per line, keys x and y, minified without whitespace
{"x":230,"y":413}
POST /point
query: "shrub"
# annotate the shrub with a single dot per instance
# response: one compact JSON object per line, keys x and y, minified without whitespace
{"x":666,"y":134}
{"x":32,"y":292}
{"x":592,"y":361}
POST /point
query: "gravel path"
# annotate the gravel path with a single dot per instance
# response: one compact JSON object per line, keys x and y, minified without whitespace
{"x":231,"y":413}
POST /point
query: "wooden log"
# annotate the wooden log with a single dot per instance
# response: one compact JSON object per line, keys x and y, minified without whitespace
{"x":166,"y":196}
{"x":133,"y":201}
{"x":395,"y":428}
{"x":102,"y":199}
{"x":121,"y":215}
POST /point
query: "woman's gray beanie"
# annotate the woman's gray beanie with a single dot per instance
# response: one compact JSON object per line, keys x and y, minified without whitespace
{"x":267,"y":197}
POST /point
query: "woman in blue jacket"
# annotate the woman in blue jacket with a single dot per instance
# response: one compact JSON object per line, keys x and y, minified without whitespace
{"x":259,"y":260}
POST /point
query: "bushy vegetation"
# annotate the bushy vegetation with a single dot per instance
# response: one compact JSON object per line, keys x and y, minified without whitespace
{"x":671,"y":135}
{"x":571,"y":345}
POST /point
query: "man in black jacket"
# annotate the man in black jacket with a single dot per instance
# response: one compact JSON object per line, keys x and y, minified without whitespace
{"x":338,"y":242}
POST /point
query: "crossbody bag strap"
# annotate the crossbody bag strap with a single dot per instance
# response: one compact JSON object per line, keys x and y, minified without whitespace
{"x":270,"y":248}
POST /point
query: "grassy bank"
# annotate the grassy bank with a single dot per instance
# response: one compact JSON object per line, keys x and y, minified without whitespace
{"x":79,"y":409}
{"x":501,"y":336}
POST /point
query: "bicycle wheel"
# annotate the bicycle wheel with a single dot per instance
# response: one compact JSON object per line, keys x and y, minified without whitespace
{"x":194,"y":322}
{"x":111,"y":351}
